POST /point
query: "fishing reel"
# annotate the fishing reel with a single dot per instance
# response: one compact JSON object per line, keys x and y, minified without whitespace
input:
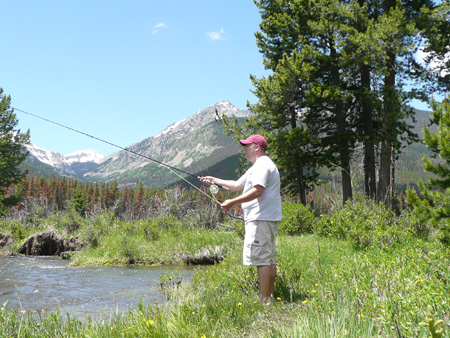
{"x":214,"y":189}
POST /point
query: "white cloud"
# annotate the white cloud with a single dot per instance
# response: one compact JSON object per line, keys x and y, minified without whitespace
{"x":157,"y":27}
{"x":220,"y":35}
{"x":434,"y":64}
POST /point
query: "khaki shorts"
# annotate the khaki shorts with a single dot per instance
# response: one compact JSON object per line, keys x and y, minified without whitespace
{"x":259,"y":242}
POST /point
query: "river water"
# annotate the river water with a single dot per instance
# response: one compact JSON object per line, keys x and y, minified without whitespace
{"x":30,"y":284}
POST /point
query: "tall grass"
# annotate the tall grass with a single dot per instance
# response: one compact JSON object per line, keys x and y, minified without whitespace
{"x":324,"y":288}
{"x":368,"y":274}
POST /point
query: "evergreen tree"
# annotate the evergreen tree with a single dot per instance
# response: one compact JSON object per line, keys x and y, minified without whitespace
{"x":78,"y":200}
{"x":339,"y":72}
{"x":434,"y":207}
{"x":12,"y":150}
{"x":139,"y":199}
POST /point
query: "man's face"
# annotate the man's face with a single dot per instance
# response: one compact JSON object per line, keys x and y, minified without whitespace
{"x":250,"y":151}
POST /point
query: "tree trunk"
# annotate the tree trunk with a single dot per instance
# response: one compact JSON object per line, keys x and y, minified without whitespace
{"x":301,"y":185}
{"x":298,"y":167}
{"x":368,"y":133}
{"x":389,"y":112}
{"x":341,"y":129}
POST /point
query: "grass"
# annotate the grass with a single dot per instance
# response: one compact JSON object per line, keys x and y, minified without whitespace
{"x":324,"y":288}
{"x":120,"y":247}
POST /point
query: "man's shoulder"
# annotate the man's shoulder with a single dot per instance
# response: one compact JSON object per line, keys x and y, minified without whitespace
{"x":265,"y":161}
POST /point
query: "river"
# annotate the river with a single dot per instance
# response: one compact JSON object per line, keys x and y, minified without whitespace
{"x":30,"y":284}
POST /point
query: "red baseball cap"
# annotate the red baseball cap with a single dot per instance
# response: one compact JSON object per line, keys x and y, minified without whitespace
{"x":256,"y":139}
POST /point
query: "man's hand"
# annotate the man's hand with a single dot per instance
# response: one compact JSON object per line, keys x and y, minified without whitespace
{"x":207,"y":179}
{"x":227,"y":205}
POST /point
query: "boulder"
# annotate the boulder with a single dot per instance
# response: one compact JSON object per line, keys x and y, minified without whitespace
{"x":5,"y":241}
{"x":48,"y":243}
{"x":72,"y":244}
{"x":204,"y":256}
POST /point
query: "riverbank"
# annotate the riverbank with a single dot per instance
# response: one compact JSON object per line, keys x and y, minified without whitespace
{"x":107,"y":240}
{"x":324,"y":288}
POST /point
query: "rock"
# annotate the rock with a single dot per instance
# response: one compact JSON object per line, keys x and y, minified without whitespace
{"x":204,"y":256}
{"x":72,"y":244}
{"x":5,"y":241}
{"x":49,"y":243}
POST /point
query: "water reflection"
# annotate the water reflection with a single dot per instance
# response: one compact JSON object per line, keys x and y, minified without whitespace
{"x":42,"y":283}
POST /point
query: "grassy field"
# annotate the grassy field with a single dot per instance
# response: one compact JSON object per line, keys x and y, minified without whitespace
{"x":360,"y":271}
{"x":324,"y":288}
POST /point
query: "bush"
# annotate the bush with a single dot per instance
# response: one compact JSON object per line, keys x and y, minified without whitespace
{"x":297,"y":219}
{"x":102,"y":225}
{"x":366,"y":223}
{"x":72,"y":221}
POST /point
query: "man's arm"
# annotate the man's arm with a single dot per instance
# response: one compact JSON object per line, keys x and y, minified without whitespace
{"x":250,"y":195}
{"x":226,"y":184}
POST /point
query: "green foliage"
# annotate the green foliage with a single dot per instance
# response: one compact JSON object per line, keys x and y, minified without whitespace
{"x":366,"y":223}
{"x":96,"y":228}
{"x":324,"y":288}
{"x":434,"y":205}
{"x":435,"y":326}
{"x":78,"y":201}
{"x":72,"y":221}
{"x":12,"y":146}
{"x":297,"y":219}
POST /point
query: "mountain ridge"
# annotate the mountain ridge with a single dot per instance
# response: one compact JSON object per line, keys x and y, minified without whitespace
{"x":195,"y":144}
{"x":192,"y":144}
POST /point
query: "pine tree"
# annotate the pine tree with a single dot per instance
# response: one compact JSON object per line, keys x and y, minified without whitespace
{"x":434,"y":206}
{"x":12,"y":150}
{"x":78,"y":200}
{"x":340,"y":68}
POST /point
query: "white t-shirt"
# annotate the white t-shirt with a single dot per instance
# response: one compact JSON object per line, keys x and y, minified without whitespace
{"x":266,"y":207}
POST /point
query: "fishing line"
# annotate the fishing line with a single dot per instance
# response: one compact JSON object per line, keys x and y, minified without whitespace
{"x":214,"y":188}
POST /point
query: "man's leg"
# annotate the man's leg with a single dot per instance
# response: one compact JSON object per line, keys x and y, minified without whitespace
{"x":266,"y":275}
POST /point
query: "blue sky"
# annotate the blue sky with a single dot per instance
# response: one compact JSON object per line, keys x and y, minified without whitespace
{"x":123,"y":70}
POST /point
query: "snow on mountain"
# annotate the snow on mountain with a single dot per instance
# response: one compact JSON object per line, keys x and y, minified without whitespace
{"x":169,"y":128}
{"x":60,"y":161}
{"x":83,"y":156}
{"x":196,"y":141}
{"x":45,"y":156}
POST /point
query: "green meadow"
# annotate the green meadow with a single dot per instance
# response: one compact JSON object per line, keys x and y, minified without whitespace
{"x":360,"y":271}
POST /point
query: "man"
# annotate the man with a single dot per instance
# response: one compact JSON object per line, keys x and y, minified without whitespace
{"x":261,"y":204}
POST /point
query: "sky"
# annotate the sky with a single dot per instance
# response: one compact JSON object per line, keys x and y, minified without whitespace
{"x":123,"y":71}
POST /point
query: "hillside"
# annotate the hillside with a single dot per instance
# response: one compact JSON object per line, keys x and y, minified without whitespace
{"x":196,"y":145}
{"x":193,"y":145}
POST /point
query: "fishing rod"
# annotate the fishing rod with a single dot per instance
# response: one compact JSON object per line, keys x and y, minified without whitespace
{"x":214,"y":189}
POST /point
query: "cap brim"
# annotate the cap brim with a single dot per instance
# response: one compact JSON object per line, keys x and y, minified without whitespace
{"x":245,"y":142}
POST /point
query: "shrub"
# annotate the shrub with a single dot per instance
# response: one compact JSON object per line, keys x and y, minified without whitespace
{"x":366,"y":223}
{"x":72,"y":221}
{"x":94,"y":229}
{"x":297,"y":219}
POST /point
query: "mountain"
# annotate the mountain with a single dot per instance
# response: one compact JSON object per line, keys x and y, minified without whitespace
{"x":47,"y":162}
{"x":194,"y":145}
